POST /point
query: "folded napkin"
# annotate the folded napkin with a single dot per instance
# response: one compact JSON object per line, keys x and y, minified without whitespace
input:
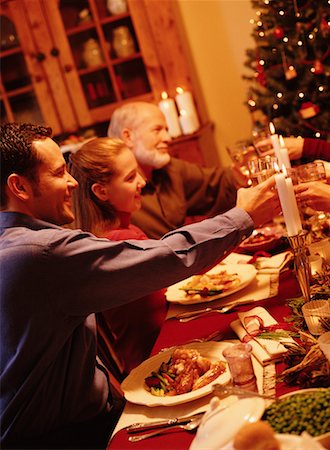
{"x":272,"y":264}
{"x":250,"y":324}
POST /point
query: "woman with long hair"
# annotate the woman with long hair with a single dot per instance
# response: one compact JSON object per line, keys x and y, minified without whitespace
{"x":109,"y":192}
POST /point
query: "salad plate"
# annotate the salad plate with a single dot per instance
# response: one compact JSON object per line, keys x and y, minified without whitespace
{"x":135,"y":390}
{"x":245,"y":272}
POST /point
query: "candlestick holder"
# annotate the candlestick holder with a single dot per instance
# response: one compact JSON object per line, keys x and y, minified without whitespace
{"x":301,"y":262}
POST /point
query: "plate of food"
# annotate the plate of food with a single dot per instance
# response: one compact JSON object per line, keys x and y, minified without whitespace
{"x":221,"y":281}
{"x":177,"y":375}
{"x":263,"y":239}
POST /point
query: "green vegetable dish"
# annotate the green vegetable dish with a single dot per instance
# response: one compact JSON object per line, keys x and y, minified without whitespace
{"x":309,"y":411}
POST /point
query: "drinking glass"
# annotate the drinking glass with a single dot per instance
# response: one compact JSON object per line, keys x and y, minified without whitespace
{"x":261,"y":169}
{"x":261,"y":140}
{"x":238,"y":357}
{"x":313,"y":171}
{"x":324,"y":343}
{"x":241,"y":153}
{"x":314,"y":311}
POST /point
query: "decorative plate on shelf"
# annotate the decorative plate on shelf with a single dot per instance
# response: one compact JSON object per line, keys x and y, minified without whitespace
{"x":135,"y":390}
{"x":238,"y":276}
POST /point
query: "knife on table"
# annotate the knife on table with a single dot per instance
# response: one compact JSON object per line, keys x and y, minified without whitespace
{"x":143,"y":426}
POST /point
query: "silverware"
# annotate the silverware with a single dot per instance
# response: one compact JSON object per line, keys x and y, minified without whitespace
{"x":187,"y":316}
{"x":143,"y":426}
{"x":188,"y":427}
{"x":225,"y":391}
{"x":215,"y":336}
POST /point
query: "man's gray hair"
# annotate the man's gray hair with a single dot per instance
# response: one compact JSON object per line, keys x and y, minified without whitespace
{"x":126,"y":116}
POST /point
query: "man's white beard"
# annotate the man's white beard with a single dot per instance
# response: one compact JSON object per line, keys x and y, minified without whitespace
{"x":152,"y":158}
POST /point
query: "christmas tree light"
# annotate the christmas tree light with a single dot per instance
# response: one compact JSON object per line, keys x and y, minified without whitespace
{"x":291,"y":66}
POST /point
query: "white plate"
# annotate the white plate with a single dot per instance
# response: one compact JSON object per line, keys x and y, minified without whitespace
{"x":134,"y":388}
{"x":219,"y":428}
{"x":246,"y":272}
{"x":286,"y":442}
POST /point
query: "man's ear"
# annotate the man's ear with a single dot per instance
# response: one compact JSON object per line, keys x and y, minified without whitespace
{"x":100,"y":191}
{"x":19,"y":186}
{"x":126,"y":136}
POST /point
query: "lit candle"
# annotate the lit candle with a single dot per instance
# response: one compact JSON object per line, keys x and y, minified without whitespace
{"x":187,"y":122}
{"x":284,"y":154}
{"x":276,"y":143}
{"x":293,"y":202}
{"x":185,"y":101}
{"x":288,"y":204}
{"x":167,"y":106}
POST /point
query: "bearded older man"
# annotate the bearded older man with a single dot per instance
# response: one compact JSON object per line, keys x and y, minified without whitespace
{"x":175,"y":189}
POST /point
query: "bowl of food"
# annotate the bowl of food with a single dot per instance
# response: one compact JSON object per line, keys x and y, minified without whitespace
{"x":305,"y":410}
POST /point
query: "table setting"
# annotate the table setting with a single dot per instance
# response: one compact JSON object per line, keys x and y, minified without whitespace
{"x":175,"y":334}
{"x":265,"y":303}
{"x":263,"y":315}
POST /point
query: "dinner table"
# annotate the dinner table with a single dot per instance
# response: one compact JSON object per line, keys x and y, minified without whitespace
{"x":175,"y":333}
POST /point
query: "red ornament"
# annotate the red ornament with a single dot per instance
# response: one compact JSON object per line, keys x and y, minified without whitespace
{"x":278,"y":32}
{"x":260,"y":75}
{"x":318,"y":67}
{"x":324,"y":27}
{"x":308,"y":110}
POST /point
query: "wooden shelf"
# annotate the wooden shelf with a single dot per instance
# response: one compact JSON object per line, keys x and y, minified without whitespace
{"x":10,"y":52}
{"x":22,"y":90}
{"x":114,"y":19}
{"x":80,"y":28}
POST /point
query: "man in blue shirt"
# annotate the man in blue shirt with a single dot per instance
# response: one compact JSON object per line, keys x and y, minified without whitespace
{"x":53,"y":392}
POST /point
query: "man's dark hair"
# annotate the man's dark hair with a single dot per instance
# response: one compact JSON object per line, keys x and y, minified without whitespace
{"x":17,"y":154}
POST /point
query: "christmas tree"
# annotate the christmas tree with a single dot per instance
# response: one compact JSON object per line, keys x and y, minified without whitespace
{"x":291,"y":65}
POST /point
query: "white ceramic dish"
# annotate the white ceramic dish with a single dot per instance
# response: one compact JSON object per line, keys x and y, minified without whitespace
{"x":246,"y":272}
{"x":134,"y":388}
{"x":218,"y":426}
{"x":286,"y":442}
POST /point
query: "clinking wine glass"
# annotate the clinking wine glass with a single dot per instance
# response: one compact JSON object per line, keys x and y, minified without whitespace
{"x":260,"y":169}
{"x":241,"y":153}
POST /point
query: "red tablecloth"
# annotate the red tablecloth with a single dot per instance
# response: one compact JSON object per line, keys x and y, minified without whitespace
{"x":175,"y":333}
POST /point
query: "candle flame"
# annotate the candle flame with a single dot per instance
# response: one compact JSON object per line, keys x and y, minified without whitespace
{"x":282,"y":144}
{"x":179,"y":90}
{"x":164,"y":95}
{"x":272,"y":128}
{"x":284,"y":170}
{"x":276,"y":167}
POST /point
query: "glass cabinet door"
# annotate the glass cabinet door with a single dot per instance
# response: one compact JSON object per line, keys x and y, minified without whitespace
{"x":18,"y":100}
{"x":105,"y":51}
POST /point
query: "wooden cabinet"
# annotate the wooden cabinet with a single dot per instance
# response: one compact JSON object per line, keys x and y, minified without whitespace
{"x":69,"y":63}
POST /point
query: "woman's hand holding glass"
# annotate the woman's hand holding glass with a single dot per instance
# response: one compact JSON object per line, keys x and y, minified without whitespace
{"x":315,"y":194}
